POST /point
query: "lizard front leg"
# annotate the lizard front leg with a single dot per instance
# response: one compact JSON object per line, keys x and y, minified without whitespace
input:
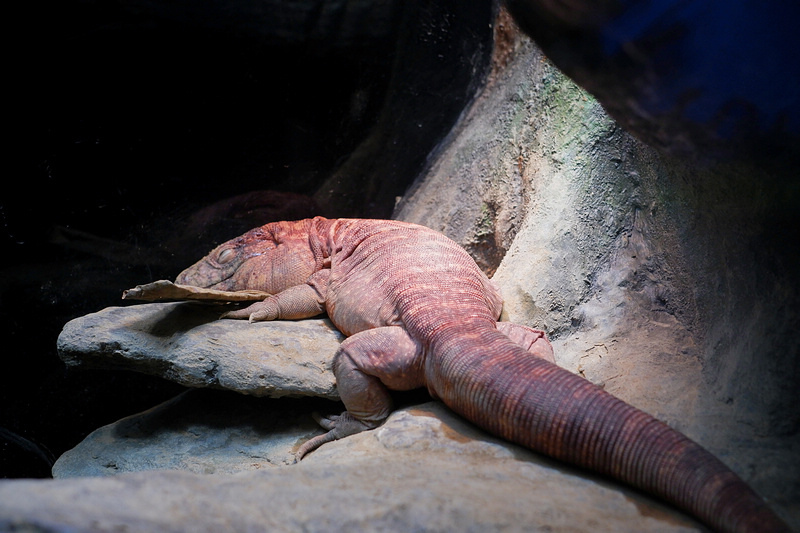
{"x":366,"y":366}
{"x":300,"y":301}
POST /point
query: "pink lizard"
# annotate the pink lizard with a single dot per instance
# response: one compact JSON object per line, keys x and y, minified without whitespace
{"x":418,"y":312}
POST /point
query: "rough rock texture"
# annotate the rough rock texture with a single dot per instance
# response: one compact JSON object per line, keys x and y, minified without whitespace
{"x":184,"y":342}
{"x":670,"y":282}
{"x":201,"y":431}
{"x":425,"y":469}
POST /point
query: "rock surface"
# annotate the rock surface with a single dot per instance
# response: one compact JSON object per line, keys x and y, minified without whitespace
{"x":201,"y":431}
{"x":425,"y":469}
{"x":676,"y":296}
{"x":184,"y":342}
{"x":222,"y":433}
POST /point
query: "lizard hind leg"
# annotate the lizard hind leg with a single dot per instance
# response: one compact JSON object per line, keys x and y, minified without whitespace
{"x":367,"y":365}
{"x":533,"y":340}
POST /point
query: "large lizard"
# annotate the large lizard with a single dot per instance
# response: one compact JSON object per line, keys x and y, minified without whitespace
{"x":418,"y":312}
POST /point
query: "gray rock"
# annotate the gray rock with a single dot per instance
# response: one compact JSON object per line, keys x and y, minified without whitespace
{"x":201,"y":431}
{"x":425,"y":469}
{"x":676,"y":296}
{"x":184,"y":342}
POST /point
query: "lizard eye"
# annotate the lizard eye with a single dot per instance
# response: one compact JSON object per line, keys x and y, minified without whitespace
{"x":225,"y":256}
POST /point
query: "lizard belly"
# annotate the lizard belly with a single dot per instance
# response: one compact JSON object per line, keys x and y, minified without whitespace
{"x":358,"y":306}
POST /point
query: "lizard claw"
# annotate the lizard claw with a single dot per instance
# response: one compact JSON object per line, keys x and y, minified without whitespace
{"x":338,"y":426}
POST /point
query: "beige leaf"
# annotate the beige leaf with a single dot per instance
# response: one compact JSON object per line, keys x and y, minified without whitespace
{"x":166,"y":290}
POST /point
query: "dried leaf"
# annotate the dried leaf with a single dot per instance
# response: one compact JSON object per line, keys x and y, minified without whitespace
{"x":166,"y":290}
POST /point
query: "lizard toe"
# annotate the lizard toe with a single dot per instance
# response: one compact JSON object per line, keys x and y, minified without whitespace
{"x":327,"y":422}
{"x":237,"y":314}
{"x":259,"y":311}
{"x":338,"y":426}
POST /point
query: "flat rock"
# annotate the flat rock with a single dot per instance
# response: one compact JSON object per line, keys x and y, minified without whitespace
{"x":186,"y":343}
{"x":201,"y":431}
{"x":424,"y":469}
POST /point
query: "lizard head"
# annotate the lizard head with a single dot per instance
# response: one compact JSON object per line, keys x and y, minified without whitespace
{"x":269,"y":258}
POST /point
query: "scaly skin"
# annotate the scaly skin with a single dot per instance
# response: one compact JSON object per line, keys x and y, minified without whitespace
{"x":418,"y":312}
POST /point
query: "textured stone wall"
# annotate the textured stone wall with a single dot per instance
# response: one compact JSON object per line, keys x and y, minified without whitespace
{"x":669,"y":281}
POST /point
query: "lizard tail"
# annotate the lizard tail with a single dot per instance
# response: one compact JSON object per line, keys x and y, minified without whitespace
{"x":530,"y":401}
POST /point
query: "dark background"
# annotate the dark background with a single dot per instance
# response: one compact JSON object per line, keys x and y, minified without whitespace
{"x":130,"y":117}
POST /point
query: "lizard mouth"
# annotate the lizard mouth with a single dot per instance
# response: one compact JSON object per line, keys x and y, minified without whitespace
{"x":195,"y":277}
{"x":209,"y":273}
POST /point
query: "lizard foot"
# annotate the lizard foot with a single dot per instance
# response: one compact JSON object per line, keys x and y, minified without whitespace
{"x":259,"y":311}
{"x":338,"y":426}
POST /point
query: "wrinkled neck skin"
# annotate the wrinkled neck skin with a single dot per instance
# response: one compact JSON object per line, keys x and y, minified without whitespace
{"x":270,"y":258}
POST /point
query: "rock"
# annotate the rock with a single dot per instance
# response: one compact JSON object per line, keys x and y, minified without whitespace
{"x":201,"y":431}
{"x":424,"y":469}
{"x":680,"y":76}
{"x":676,"y":296}
{"x":432,"y":81}
{"x":184,"y":342}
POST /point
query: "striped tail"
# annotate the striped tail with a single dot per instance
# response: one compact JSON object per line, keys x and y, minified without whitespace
{"x":524,"y":399}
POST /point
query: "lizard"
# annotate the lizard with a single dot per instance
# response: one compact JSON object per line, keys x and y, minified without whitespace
{"x":418,"y":312}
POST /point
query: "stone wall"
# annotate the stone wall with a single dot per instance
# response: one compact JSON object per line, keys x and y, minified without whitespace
{"x":670,"y":281}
